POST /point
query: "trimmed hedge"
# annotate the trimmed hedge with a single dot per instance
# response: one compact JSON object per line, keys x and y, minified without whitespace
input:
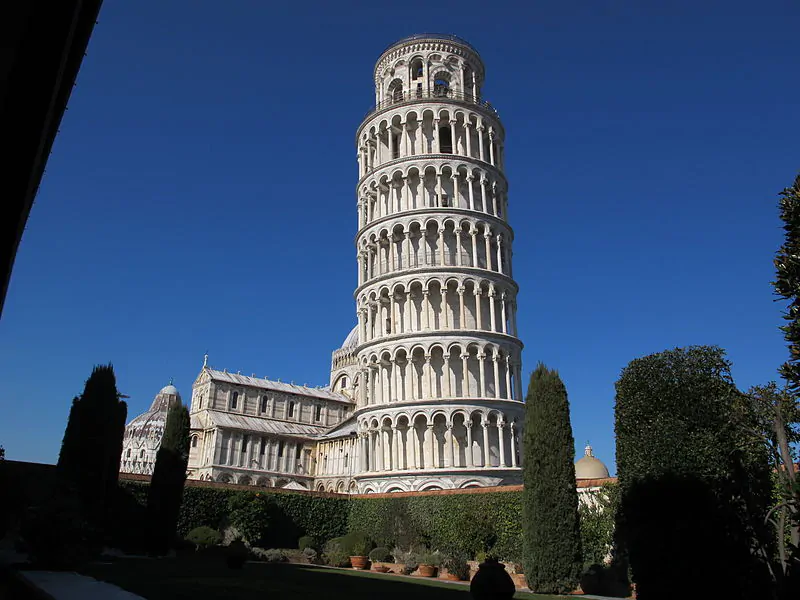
{"x":457,"y":525}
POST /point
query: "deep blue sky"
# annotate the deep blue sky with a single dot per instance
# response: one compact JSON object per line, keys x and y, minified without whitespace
{"x":200,"y":195}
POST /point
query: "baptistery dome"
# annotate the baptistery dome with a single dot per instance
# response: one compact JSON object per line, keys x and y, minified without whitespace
{"x":143,"y":434}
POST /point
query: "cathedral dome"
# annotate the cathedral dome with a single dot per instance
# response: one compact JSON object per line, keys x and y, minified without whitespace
{"x":590,"y":467}
{"x":351,"y":341}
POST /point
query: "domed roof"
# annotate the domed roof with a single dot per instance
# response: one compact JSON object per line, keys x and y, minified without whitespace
{"x":589,"y":467}
{"x":351,"y":341}
{"x":170,"y":389}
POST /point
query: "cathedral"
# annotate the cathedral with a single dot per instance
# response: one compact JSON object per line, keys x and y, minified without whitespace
{"x":426,"y":390}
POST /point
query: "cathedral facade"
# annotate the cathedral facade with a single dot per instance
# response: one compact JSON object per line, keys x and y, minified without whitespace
{"x":426,"y":390}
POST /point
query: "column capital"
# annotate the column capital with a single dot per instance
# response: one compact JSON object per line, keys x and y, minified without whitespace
{"x":478,"y":292}
{"x":470,"y":177}
{"x":460,"y":289}
{"x":465,"y":356}
{"x":485,"y":425}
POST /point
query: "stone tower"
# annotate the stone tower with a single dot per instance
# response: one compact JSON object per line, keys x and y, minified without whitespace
{"x":436,"y":367}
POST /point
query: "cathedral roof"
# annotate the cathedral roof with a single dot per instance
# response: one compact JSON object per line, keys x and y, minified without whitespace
{"x":343,"y":429}
{"x":351,"y":341}
{"x":272,"y":426}
{"x":277,"y":386}
{"x":590,"y":467}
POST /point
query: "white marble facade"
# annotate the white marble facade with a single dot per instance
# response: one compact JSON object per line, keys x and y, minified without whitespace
{"x":426,"y":391}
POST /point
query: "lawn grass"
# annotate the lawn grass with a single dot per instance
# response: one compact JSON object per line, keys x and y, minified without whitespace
{"x":197,"y":578}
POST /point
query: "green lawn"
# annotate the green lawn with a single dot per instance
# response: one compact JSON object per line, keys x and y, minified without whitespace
{"x":207,"y":579}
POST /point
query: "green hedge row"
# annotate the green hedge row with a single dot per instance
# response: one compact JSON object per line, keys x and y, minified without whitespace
{"x":463,"y":524}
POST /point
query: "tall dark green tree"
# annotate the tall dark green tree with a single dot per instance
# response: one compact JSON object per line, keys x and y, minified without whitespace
{"x":695,"y":492}
{"x":88,"y":463}
{"x":552,"y":548}
{"x":169,"y":475}
{"x":787,"y":287}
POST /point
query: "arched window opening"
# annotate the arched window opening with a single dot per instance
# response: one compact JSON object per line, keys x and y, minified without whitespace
{"x":441,"y":87}
{"x":396,"y":146}
{"x":128,"y":454}
{"x":291,"y":410}
{"x":445,"y":140}
{"x":263,"y":404}
{"x":141,"y":453}
{"x":396,"y":91}
{"x":416,"y":69}
{"x":194,"y":441}
{"x":234,"y":400}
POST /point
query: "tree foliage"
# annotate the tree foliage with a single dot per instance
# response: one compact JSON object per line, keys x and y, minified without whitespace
{"x":695,"y":492}
{"x":597,"y":512}
{"x":169,"y":475}
{"x":552,"y":543}
{"x":88,"y":464}
{"x":787,"y":287}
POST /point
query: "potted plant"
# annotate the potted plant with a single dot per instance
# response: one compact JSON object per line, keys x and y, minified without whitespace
{"x":456,"y":567}
{"x":359,"y":546}
{"x":380,"y":555}
{"x":428,"y":561}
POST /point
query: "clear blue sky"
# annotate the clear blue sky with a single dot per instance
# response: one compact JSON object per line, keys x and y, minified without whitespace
{"x":200,"y":195}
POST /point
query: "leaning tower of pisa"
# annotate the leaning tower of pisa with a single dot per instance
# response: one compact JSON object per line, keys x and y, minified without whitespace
{"x":438,"y":383}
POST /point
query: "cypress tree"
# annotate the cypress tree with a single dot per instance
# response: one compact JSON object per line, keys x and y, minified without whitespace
{"x":551,"y":527}
{"x":169,"y":475}
{"x":88,"y":464}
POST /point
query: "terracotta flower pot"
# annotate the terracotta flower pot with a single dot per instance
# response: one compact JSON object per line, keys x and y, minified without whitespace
{"x":359,"y":562}
{"x":451,"y":577}
{"x":427,"y":570}
{"x":380,"y":569}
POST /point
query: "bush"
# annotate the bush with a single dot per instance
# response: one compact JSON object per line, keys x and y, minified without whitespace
{"x":434,"y":559}
{"x":380,"y":554}
{"x":307,"y":542}
{"x":310,"y":555}
{"x":411,"y":563}
{"x":274,"y":555}
{"x":334,"y":553}
{"x":204,"y":537}
{"x":236,"y":554}
{"x":457,"y":566}
{"x":356,"y":544}
{"x":250,"y":515}
{"x":55,"y":535}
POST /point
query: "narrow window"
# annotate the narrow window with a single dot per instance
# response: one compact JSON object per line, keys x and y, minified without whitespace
{"x":280,"y":448}
{"x":445,"y":140}
{"x":194,"y":441}
{"x":345,"y":461}
{"x":396,"y":146}
{"x":245,"y":441}
{"x":317,"y":412}
{"x":298,"y":452}
{"x":234,"y":400}
{"x":263,"y":449}
{"x":263,"y":404}
{"x":291,"y":410}
{"x":128,"y":455}
{"x":141,"y":453}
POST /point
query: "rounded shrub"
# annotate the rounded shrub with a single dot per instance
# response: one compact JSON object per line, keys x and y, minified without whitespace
{"x":357,"y":544}
{"x":334,"y":553}
{"x":457,"y":566}
{"x":380,"y":554}
{"x":307,"y":541}
{"x":204,"y":537}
